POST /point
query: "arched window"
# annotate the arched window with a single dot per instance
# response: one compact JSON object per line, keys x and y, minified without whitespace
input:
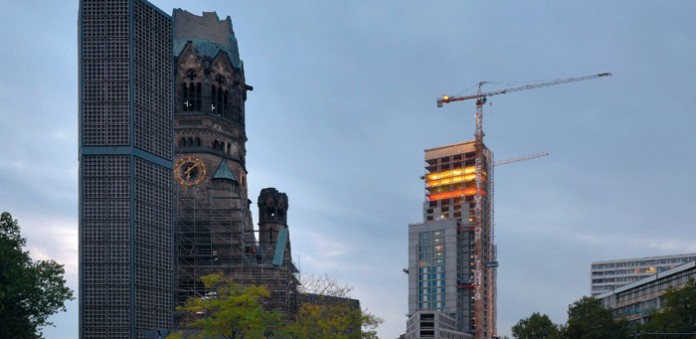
{"x":219,"y":96}
{"x":191,"y":97}
{"x":191,"y":93}
{"x":198,"y":142}
{"x":215,"y":144}
{"x":190,"y":142}
{"x":186,"y":103}
{"x":226,"y":104}
{"x":197,"y":101}
{"x":182,"y":142}
{"x":213,"y":102}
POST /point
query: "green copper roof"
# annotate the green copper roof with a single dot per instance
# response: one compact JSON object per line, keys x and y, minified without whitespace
{"x":223,"y":172}
{"x":281,"y":243}
{"x":209,"y":49}
{"x":208,"y":34}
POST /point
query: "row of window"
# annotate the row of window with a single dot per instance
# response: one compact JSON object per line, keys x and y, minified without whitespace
{"x":455,"y":201}
{"x":656,"y":286}
{"x":105,"y":209}
{"x":106,"y":252}
{"x":643,"y":263}
{"x":432,"y":269}
{"x":104,"y":7}
{"x":431,"y":294}
{"x":192,"y":99}
{"x":149,"y":195}
{"x":642,"y":272}
{"x":106,"y":188}
{"x":431,"y":305}
{"x":105,"y":233}
{"x":190,"y":142}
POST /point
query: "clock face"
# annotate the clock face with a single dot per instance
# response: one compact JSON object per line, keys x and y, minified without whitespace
{"x":189,"y":171}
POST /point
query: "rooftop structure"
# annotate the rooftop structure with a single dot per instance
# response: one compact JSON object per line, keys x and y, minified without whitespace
{"x":637,"y":300}
{"x":611,"y":274}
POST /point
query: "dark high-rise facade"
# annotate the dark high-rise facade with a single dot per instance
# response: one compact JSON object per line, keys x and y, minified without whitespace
{"x":126,"y":158}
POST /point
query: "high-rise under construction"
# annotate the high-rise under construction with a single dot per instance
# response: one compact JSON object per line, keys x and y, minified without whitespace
{"x":452,"y":264}
{"x":452,"y":293}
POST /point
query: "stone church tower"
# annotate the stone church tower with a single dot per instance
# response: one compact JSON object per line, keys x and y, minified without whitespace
{"x":273,"y":222}
{"x":213,"y":220}
{"x":214,"y":228}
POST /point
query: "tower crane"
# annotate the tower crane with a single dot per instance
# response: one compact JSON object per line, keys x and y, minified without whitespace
{"x":492,"y":187}
{"x":518,"y":159}
{"x":481,"y":97}
{"x":487,"y":254}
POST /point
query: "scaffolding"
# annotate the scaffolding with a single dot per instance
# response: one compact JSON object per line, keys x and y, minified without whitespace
{"x":214,"y":233}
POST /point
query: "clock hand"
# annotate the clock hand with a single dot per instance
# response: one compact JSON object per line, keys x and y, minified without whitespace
{"x":188,"y":170}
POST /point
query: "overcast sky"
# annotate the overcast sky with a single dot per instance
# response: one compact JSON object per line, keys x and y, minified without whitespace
{"x":344,"y":105}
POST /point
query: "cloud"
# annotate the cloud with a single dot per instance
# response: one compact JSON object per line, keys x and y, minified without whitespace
{"x":651,"y":243}
{"x":53,"y":239}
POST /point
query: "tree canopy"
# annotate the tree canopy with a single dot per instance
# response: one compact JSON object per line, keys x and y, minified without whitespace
{"x":30,"y":291}
{"x":327,"y":311}
{"x":537,"y":326}
{"x":588,"y":319}
{"x":230,"y":310}
{"x":678,"y":314}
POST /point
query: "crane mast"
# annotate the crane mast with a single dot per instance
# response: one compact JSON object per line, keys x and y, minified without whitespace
{"x":480,"y":231}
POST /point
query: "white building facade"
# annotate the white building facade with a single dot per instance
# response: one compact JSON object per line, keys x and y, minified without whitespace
{"x":609,"y":275}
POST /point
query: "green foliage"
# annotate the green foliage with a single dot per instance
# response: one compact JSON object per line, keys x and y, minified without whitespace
{"x":334,"y":319}
{"x":537,"y":326}
{"x":678,"y":314}
{"x":326,"y":320}
{"x":235,"y":311}
{"x":231,"y":311}
{"x":331,"y":313}
{"x":30,"y":291}
{"x":588,"y":319}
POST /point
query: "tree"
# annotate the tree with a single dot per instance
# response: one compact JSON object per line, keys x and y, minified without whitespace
{"x":230,"y":311}
{"x":588,"y":319}
{"x":30,"y":291}
{"x":327,"y":311}
{"x":679,"y":313}
{"x":537,"y":326}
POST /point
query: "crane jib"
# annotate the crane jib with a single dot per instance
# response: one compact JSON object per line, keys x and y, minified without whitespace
{"x":447,"y":99}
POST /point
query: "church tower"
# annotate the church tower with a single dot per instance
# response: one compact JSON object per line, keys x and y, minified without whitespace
{"x":214,"y":228}
{"x":213,"y":220}
{"x":273,"y":216}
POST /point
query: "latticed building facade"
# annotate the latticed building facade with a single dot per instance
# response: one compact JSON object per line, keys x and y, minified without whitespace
{"x":125,"y":153}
